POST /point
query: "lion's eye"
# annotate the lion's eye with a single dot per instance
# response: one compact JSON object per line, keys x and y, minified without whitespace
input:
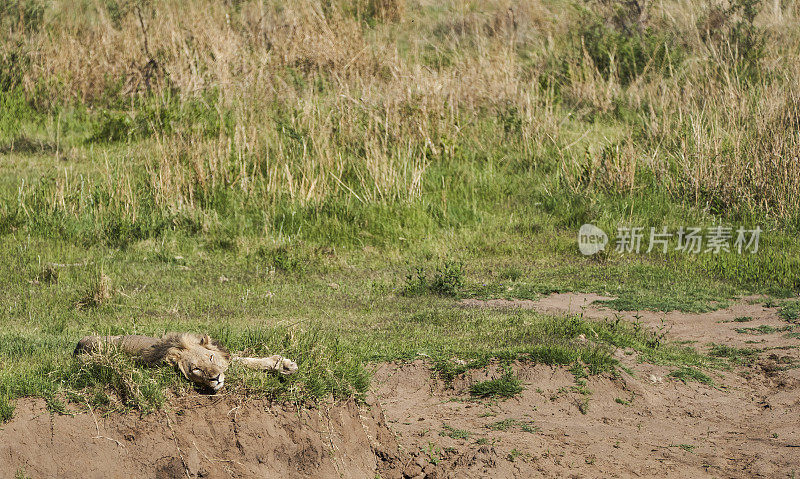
{"x":196,"y":370}
{"x":211,"y":358}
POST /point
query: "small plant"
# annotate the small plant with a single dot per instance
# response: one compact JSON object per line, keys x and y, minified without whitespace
{"x":502,"y":425}
{"x":100,"y":292}
{"x":20,"y":474}
{"x":448,"y":279}
{"x":687,"y":373}
{"x":434,"y":453}
{"x":6,"y":409}
{"x":48,"y":275}
{"x":416,"y":283}
{"x":732,"y":353}
{"x":283,"y":259}
{"x":583,"y":405}
{"x":506,"y":424}
{"x":620,"y":43}
{"x":732,"y":31}
{"x":763,"y":329}
{"x":449,"y":370}
{"x":512,"y":273}
{"x":450,"y":431}
{"x":530,"y":428}
{"x":657,"y":338}
{"x":506,"y":386}
{"x":790,"y":311}
{"x":685,"y":447}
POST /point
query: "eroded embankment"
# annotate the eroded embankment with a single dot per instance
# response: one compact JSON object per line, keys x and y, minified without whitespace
{"x":199,"y":437}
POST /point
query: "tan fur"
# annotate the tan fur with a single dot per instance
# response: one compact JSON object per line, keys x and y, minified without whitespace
{"x":200,"y":358}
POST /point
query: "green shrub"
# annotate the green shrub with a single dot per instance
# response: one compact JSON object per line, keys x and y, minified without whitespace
{"x":790,"y":311}
{"x":622,"y":45}
{"x":448,"y":280}
{"x":731,"y":32}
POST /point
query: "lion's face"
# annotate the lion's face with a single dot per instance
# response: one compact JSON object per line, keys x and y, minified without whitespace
{"x":202,"y":362}
{"x":205,"y":367}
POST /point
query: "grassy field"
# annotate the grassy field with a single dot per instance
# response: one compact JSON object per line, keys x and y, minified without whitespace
{"x":325,"y":179}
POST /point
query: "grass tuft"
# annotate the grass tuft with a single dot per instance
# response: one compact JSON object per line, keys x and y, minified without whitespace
{"x":790,"y":311}
{"x":450,"y":431}
{"x":507,"y":386}
{"x":100,"y":292}
{"x":688,"y":373}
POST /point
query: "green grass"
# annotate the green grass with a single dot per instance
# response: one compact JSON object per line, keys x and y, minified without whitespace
{"x":763,"y":329}
{"x":338,"y":262}
{"x":341,"y":312}
{"x":733,"y":354}
{"x":450,"y":431}
{"x":506,"y":386}
{"x":334,"y":310}
{"x":790,"y":311}
{"x":687,"y":373}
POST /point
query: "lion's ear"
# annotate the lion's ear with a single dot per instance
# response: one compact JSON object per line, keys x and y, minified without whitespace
{"x":205,"y":340}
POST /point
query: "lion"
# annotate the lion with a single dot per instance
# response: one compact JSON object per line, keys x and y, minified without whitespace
{"x":200,"y":359}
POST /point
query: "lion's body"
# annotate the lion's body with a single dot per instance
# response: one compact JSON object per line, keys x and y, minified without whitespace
{"x":200,"y":358}
{"x":134,"y":345}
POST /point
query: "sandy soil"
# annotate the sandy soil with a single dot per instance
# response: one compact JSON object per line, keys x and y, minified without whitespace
{"x":214,"y":436}
{"x":413,"y":425}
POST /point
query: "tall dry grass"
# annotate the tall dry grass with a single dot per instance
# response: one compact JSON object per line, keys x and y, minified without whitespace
{"x":358,"y":99}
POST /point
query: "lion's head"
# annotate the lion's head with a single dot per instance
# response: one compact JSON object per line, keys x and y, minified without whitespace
{"x":201,"y":359}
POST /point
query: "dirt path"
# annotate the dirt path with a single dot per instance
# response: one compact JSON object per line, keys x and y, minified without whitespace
{"x":718,"y":326}
{"x":636,"y":425}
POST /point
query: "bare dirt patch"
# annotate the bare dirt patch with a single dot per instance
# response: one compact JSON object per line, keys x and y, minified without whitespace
{"x":634,"y":425}
{"x":717,"y":327}
{"x":558,"y":303}
{"x":199,"y":437}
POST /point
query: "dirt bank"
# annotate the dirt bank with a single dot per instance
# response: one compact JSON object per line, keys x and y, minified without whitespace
{"x":198,"y":437}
